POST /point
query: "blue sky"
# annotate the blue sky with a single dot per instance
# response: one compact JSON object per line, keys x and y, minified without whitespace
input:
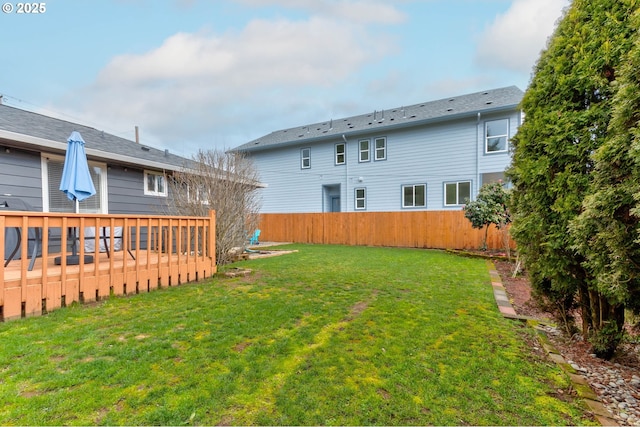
{"x":207,"y":74}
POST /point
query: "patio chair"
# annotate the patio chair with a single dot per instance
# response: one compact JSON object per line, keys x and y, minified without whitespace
{"x":104,"y":240}
{"x":11,"y":203}
{"x":253,"y":240}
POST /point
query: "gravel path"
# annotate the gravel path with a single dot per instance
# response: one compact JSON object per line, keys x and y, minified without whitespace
{"x":617,"y":385}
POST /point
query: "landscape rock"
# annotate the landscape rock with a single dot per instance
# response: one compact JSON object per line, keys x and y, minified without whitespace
{"x":616,"y":383}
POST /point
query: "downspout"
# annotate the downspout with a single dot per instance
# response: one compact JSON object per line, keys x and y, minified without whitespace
{"x":346,"y":173}
{"x":477,"y":183}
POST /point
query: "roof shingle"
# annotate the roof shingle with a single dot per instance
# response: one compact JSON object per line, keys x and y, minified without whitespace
{"x":37,"y":125}
{"x":411,"y":115}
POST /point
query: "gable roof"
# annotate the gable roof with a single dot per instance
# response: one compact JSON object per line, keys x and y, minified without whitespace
{"x":502,"y":99}
{"x":29,"y":130}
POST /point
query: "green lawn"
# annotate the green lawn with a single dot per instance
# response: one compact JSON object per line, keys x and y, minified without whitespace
{"x":330,"y":335}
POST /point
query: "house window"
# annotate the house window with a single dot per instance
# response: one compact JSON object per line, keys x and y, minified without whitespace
{"x":363,"y":146}
{"x":491,"y":177}
{"x":361,"y":198}
{"x":496,"y":136}
{"x":305,"y":158}
{"x":340,"y":154}
{"x":381,"y":149}
{"x":155,"y":184}
{"x":414,"y":196}
{"x":457,"y":193}
{"x":54,"y":200}
{"x":196,"y":193}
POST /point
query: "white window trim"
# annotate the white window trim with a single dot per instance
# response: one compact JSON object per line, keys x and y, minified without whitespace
{"x":356,"y":198}
{"x":44,"y":168}
{"x":344,"y":153}
{"x":197,"y":196}
{"x":148,"y":192}
{"x":486,"y":137}
{"x":457,"y":183}
{"x":360,"y":150}
{"x":302,"y":158}
{"x":375,"y":149}
{"x":404,"y":206}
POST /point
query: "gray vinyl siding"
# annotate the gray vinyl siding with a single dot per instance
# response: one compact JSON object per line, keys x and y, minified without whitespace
{"x":434,"y":154}
{"x":21,"y":175}
{"x":280,"y":169}
{"x":126,"y":193}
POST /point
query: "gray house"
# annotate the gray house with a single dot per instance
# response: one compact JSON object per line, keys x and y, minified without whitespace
{"x":428,"y":156}
{"x":130,"y":178}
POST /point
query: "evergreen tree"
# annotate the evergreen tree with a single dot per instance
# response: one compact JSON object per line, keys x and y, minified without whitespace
{"x":607,"y":231}
{"x":567,"y":111}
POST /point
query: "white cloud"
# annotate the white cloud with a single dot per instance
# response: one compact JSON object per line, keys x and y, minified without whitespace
{"x":212,"y":84}
{"x":515,"y":39}
{"x":362,"y":11}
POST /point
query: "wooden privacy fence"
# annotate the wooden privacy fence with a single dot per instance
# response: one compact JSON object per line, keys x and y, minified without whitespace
{"x":144,"y":252}
{"x":417,"y":229}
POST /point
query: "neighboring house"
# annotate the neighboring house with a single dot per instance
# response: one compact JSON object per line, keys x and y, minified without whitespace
{"x":429,"y":156}
{"x":130,"y":178}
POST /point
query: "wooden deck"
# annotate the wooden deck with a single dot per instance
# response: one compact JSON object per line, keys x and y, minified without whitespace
{"x":49,"y":286}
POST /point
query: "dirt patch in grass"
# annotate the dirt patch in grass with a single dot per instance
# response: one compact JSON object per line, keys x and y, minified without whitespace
{"x":240,"y":347}
{"x":102,"y":413}
{"x":357,"y":309}
{"x":237,"y":272}
{"x":384,"y":393}
{"x":243,"y":280}
{"x":226,"y":420}
{"x":31,"y":393}
{"x":268,"y":253}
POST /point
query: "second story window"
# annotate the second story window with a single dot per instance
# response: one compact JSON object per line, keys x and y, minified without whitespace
{"x":341,"y":157}
{"x":305,"y":158}
{"x":363,"y":148}
{"x":496,"y":136}
{"x":381,"y":149}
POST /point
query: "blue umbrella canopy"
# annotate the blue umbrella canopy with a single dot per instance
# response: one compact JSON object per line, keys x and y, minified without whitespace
{"x":76,"y":180}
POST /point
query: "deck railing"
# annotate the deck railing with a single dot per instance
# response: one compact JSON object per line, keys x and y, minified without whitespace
{"x":154,"y":251}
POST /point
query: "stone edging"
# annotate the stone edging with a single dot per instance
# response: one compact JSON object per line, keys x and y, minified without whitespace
{"x":579,"y":383}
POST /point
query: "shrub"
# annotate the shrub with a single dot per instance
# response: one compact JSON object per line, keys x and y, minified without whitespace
{"x":490,"y":207}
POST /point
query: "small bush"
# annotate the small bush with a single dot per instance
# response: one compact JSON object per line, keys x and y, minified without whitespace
{"x":490,"y":207}
{"x":606,"y":340}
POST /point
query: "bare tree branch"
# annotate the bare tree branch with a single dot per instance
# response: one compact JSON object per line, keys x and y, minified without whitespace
{"x":226,"y":182}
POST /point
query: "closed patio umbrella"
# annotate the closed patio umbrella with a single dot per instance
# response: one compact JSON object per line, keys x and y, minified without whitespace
{"x":76,"y":182}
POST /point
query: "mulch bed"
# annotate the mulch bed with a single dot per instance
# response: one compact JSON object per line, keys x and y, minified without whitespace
{"x":572,"y":348}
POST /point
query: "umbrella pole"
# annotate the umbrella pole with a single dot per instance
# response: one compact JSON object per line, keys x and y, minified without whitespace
{"x":74,"y":248}
{"x":74,"y":258}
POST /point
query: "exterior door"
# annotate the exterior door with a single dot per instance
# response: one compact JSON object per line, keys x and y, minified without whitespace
{"x":331,"y":198}
{"x":335,"y":204}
